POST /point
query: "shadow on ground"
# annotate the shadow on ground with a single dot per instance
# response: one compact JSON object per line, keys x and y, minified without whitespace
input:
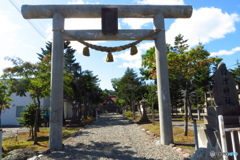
{"x":104,"y":121}
{"x":95,"y":150}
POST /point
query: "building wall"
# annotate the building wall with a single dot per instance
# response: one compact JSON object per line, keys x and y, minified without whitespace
{"x":67,"y":110}
{"x":9,"y":116}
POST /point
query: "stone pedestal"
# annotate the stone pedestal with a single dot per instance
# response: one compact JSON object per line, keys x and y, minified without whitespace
{"x":208,"y":133}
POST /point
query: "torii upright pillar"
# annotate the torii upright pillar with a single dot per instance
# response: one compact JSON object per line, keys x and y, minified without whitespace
{"x":56,"y":95}
{"x":59,"y":12}
{"x":165,"y":118}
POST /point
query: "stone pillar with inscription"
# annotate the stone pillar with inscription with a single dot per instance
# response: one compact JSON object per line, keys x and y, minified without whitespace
{"x":226,"y":104}
{"x":224,"y":88}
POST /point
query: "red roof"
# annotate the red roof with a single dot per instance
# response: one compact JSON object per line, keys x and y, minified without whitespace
{"x":113,"y":98}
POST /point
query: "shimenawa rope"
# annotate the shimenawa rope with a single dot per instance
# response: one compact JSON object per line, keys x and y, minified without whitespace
{"x":108,"y":49}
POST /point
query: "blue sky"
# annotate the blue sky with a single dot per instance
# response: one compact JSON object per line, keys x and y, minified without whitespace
{"x":214,"y":23}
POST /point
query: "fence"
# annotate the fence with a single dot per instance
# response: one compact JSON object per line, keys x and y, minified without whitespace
{"x":223,"y":131}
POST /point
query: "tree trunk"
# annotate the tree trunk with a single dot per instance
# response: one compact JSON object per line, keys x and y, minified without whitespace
{"x":79,"y":111}
{"x":31,"y":133}
{"x":189,"y":109}
{"x":186,"y":120}
{"x":36,"y":121}
{"x":186,"y":112}
{"x":89,"y":108}
{"x":153,"y":114}
{"x":85,"y":109}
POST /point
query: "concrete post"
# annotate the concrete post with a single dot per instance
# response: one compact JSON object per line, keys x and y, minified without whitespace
{"x":195,"y":133}
{"x":56,"y":101}
{"x":163,"y":82}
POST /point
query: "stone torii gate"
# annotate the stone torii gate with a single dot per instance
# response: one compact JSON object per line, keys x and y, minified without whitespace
{"x":59,"y":12}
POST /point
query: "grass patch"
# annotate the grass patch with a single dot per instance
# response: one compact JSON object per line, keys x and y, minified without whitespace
{"x":129,"y":115}
{"x":153,"y":128}
{"x":23,"y":140}
{"x":187,"y":143}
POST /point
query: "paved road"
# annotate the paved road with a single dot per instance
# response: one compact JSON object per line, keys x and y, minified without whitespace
{"x":13,"y":131}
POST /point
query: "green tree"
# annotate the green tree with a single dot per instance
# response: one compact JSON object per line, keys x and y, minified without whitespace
{"x":186,"y":66}
{"x":148,"y":69}
{"x":90,"y":91}
{"x":4,"y":99}
{"x":129,"y":88}
{"x":72,"y":69}
{"x":32,"y":79}
{"x":28,"y":118}
{"x":79,"y":86}
{"x":236,"y":73}
{"x":151,"y":98}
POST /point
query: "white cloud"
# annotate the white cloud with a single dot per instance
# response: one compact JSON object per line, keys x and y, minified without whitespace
{"x":225,"y":52}
{"x":76,"y":2}
{"x":135,"y":64}
{"x":80,"y":2}
{"x":205,"y":25}
{"x":136,"y":23}
{"x":136,"y":60}
{"x":161,"y":2}
{"x":145,"y":46}
{"x":29,"y":46}
{"x":86,"y":23}
{"x":82,"y":24}
{"x":8,"y":30}
{"x":127,"y":57}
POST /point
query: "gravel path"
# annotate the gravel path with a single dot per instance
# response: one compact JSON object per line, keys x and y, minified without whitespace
{"x":111,"y":138}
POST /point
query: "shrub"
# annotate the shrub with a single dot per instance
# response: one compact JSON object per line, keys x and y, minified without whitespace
{"x":128,"y":113}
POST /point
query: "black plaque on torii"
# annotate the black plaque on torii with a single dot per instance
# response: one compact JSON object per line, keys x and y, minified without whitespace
{"x":109,"y":20}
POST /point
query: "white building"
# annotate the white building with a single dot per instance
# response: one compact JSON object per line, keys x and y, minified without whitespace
{"x":10,"y":116}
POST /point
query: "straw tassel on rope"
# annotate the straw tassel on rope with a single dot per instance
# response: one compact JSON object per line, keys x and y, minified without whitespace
{"x":133,"y":50}
{"x":86,"y":51}
{"x":109,"y":57}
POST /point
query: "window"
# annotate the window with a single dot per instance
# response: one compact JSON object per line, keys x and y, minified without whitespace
{"x":19,"y":110}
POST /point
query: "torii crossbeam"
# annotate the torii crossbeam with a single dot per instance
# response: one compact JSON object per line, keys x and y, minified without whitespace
{"x":59,"y":12}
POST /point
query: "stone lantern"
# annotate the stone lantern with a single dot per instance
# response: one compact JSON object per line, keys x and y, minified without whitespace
{"x":144,"y":118}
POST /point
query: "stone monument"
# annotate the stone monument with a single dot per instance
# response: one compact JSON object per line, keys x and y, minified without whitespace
{"x":226,"y":104}
{"x":224,"y":88}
